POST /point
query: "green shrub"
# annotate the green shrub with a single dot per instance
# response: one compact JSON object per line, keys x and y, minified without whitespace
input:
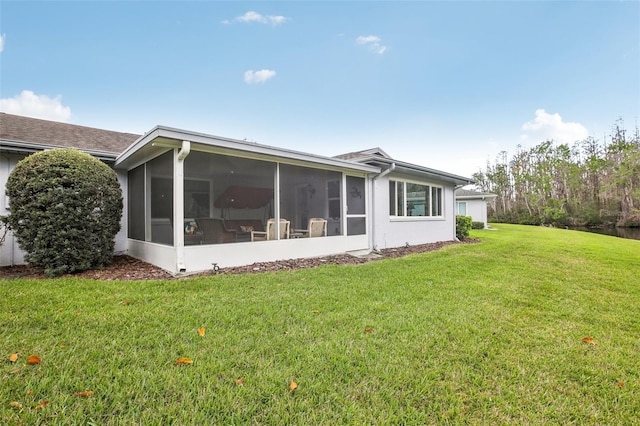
{"x":477,"y":225}
{"x":65,"y":210}
{"x":463,"y":226}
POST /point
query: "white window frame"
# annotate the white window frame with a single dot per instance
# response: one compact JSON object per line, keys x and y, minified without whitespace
{"x":428,"y":209}
{"x":466,"y":208}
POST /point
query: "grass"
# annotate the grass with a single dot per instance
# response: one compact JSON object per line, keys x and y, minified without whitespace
{"x":487,"y":333}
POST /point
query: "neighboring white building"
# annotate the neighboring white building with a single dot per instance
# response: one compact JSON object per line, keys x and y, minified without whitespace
{"x":474,"y":204}
{"x":193,"y":200}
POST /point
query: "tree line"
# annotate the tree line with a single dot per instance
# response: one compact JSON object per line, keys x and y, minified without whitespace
{"x":587,"y":183}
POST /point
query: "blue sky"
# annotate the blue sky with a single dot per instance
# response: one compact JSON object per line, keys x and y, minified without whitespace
{"x":446,"y":85}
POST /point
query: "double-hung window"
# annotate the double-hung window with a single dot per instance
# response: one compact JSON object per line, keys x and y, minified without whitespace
{"x":414,"y":199}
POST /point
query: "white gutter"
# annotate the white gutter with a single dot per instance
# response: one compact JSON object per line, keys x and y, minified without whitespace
{"x":178,"y":205}
{"x":385,"y":172}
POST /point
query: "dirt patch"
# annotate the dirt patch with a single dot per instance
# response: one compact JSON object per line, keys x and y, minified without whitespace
{"x":128,"y":268}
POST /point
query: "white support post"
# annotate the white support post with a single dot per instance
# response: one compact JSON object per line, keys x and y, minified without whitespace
{"x":276,"y":201}
{"x":178,"y":204}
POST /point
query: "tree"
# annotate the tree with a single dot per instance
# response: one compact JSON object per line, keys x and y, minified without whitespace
{"x":588,"y":183}
{"x":65,"y":210}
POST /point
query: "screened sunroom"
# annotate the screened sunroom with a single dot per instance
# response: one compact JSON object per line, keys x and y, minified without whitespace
{"x":194,"y":201}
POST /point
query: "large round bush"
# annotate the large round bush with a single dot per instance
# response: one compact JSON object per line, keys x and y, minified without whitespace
{"x":65,"y":210}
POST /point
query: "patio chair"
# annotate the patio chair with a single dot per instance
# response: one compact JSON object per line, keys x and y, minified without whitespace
{"x":317,"y":227}
{"x":214,"y":231}
{"x":270,"y":233}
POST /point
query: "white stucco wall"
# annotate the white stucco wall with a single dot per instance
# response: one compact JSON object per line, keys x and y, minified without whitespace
{"x":477,"y":209}
{"x":121,"y":237}
{"x":398,"y":231}
{"x":10,"y":253}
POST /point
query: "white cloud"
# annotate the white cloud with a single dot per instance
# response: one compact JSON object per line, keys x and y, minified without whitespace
{"x":29,"y":104}
{"x":2,"y":38}
{"x":373,"y":43}
{"x":368,"y":39}
{"x":258,"y":76}
{"x":252,"y":16}
{"x":551,"y":127}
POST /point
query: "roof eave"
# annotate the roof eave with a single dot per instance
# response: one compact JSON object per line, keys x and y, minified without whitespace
{"x":476,"y":197}
{"x":21,"y":147}
{"x":410,"y":168}
{"x":178,"y":135}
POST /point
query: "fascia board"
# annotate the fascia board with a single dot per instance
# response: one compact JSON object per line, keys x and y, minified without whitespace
{"x":137,"y":145}
{"x":234,"y":145}
{"x":414,"y":169}
{"x":475,"y":197}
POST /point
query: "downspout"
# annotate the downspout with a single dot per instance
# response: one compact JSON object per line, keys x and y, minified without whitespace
{"x":383,"y":173}
{"x":178,"y":205}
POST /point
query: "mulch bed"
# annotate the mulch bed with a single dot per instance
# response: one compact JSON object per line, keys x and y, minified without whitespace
{"x":128,"y":268}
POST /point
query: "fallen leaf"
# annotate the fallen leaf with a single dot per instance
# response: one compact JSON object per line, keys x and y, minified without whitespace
{"x":16,"y":371}
{"x":63,"y":345}
{"x":84,"y":393}
{"x":589,"y":340}
{"x":201,"y":331}
{"x":29,"y":392}
{"x":61,"y":310}
{"x":315,"y":311}
{"x":240,"y":381}
{"x":293,"y":386}
{"x":15,"y":404}
{"x":78,"y":313}
{"x":32,"y":360}
{"x":42,"y":404}
{"x":182,"y":361}
{"x":125,"y":303}
{"x":14,"y":357}
{"x":620,"y":384}
{"x":368,"y":330}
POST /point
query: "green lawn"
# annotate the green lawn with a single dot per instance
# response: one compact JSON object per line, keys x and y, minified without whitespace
{"x":488,"y":333}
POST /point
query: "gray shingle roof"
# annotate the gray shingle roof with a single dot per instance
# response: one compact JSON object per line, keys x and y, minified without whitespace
{"x":363,"y":154}
{"x":469,"y":193}
{"x":52,"y":134}
{"x":377,"y":157}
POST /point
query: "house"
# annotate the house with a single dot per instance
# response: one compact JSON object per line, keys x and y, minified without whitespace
{"x":194,"y":200}
{"x":473,"y":203}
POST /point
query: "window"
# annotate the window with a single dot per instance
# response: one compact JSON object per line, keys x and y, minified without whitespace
{"x":461,"y":208}
{"x":414,"y":199}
